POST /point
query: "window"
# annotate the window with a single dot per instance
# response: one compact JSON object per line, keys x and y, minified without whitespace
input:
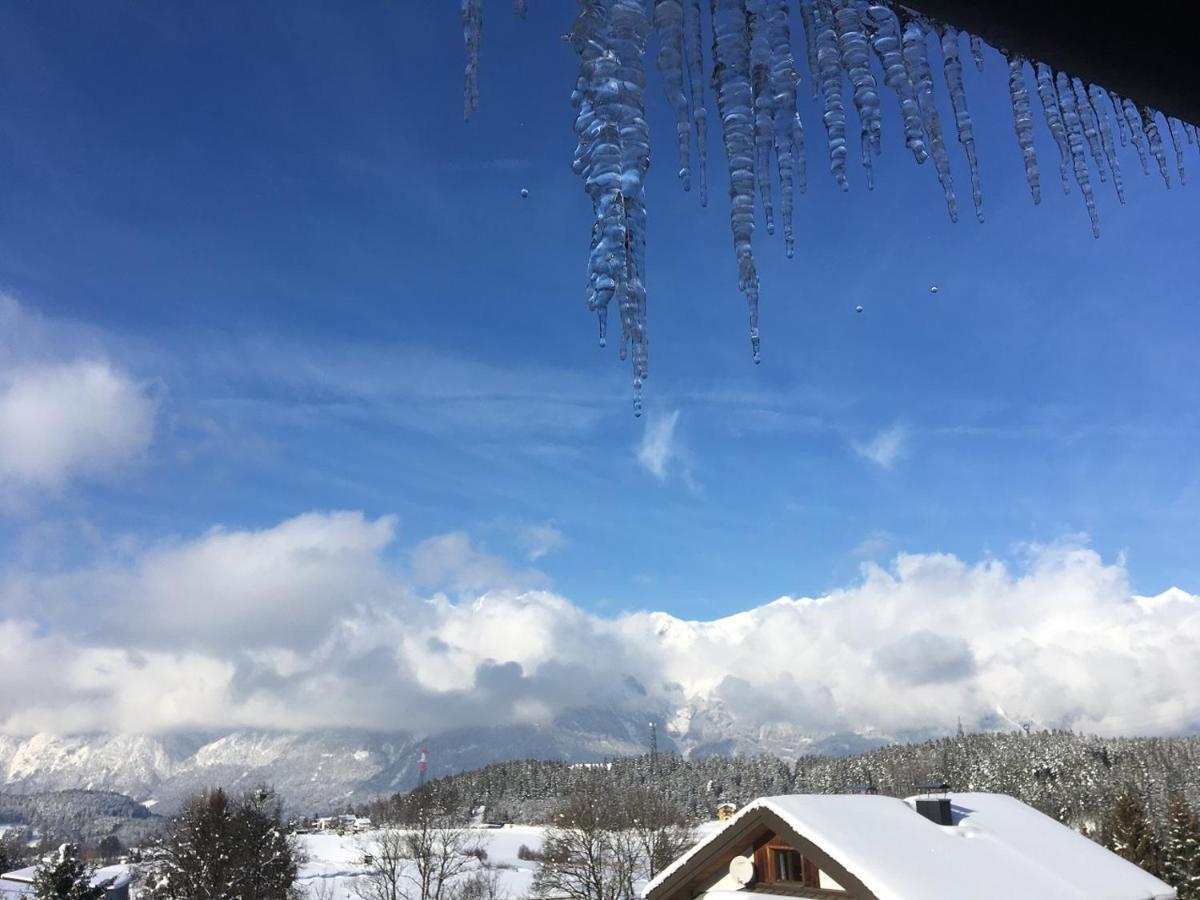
{"x":787,"y":865}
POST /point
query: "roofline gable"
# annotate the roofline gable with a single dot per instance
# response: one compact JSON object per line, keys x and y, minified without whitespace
{"x":733,"y":838}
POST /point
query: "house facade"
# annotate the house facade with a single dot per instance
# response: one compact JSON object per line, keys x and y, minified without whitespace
{"x":966,"y":846}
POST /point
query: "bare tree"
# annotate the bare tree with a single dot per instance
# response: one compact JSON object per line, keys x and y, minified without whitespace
{"x":589,"y":853}
{"x":422,"y":854}
{"x":660,"y":829}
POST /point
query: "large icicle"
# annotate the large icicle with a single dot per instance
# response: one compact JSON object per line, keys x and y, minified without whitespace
{"x":630,"y":29}
{"x":1119,"y":115}
{"x":829,"y":64}
{"x":612,"y":157}
{"x":764,"y":104}
{"x":1154,"y":138}
{"x":856,"y":60}
{"x":1091,"y":129}
{"x":885,"y":39}
{"x":1177,"y":141}
{"x":1098,"y":96}
{"x":693,"y":50}
{"x":1023,"y":122}
{"x":735,"y":98}
{"x":598,"y":155}
{"x":962,"y":116}
{"x":472,"y":23}
{"x":1070,"y":111}
{"x":977,"y":51}
{"x":521,"y":7}
{"x":668,"y":22}
{"x":808,"y":18}
{"x":1190,"y":130}
{"x":1049,"y":97}
{"x":916,"y":59}
{"x":789,"y":132}
{"x":1137,"y":131}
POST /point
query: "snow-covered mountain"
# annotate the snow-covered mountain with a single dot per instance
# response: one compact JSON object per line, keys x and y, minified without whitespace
{"x":316,"y":770}
{"x":320,"y":770}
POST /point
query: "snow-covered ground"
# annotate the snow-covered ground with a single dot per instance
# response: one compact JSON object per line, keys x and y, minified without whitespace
{"x":335,"y":862}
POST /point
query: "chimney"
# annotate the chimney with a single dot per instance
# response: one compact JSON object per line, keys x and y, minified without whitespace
{"x":935,"y":809}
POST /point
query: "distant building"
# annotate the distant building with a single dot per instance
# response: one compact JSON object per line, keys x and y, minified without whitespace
{"x":726,"y":811}
{"x":867,"y":847}
{"x":18,"y":885}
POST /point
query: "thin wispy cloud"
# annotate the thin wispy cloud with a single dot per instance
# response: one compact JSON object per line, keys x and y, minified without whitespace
{"x":886,"y":448}
{"x":659,"y":447}
{"x":539,"y":540}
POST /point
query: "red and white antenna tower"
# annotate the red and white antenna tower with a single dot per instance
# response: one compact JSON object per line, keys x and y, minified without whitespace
{"x":422,"y":769}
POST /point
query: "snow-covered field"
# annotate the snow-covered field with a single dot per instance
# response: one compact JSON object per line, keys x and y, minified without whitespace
{"x":335,"y":862}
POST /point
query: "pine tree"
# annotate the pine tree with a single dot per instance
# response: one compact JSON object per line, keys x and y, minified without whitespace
{"x":226,"y":849}
{"x":1181,"y":849}
{"x":64,"y":876}
{"x":1127,"y":832}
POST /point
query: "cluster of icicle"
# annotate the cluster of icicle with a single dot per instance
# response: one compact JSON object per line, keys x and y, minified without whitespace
{"x":755,"y":80}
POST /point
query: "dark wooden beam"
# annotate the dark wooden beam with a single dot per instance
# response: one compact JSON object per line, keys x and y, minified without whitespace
{"x":1144,"y":51}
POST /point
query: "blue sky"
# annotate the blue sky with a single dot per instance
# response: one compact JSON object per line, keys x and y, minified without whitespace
{"x":272,"y":219}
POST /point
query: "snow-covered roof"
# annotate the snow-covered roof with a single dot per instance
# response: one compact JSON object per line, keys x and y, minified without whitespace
{"x":19,"y":883}
{"x":998,"y":848}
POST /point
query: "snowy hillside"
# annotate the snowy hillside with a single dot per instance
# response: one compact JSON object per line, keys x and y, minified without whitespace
{"x":335,"y":862}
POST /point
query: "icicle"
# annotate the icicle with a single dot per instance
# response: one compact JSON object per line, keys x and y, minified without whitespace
{"x":612,"y":157}
{"x":916,"y":60}
{"x":789,"y":132}
{"x":977,"y":51}
{"x":521,"y":7}
{"x":1156,"y":144}
{"x":885,"y":39}
{"x":1023,"y":122}
{"x":1136,"y":131}
{"x":1190,"y":130}
{"x":1049,"y":98}
{"x":962,"y":116}
{"x":472,"y":23}
{"x":830,"y":66}
{"x":1122,"y":125}
{"x":1097,"y":96}
{"x":731,"y":81}
{"x":1070,"y":111}
{"x":808,"y":18}
{"x":1091,"y":129}
{"x":668,"y":22}
{"x":598,"y":155}
{"x":764,"y":104}
{"x":693,"y":49}
{"x":630,"y":29}
{"x":852,"y":45}
{"x":1177,"y":140}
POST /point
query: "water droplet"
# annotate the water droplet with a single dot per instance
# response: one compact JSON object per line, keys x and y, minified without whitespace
{"x":524,"y":192}
{"x":858,"y":309}
{"x":933,"y":289}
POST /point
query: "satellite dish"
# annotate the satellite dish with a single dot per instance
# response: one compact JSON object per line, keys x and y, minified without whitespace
{"x":741,"y":870}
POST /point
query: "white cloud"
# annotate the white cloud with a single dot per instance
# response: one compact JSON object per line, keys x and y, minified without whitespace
{"x":78,"y":418}
{"x":885,"y":448}
{"x":659,"y":447}
{"x":314,"y":622}
{"x":65,"y":410}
